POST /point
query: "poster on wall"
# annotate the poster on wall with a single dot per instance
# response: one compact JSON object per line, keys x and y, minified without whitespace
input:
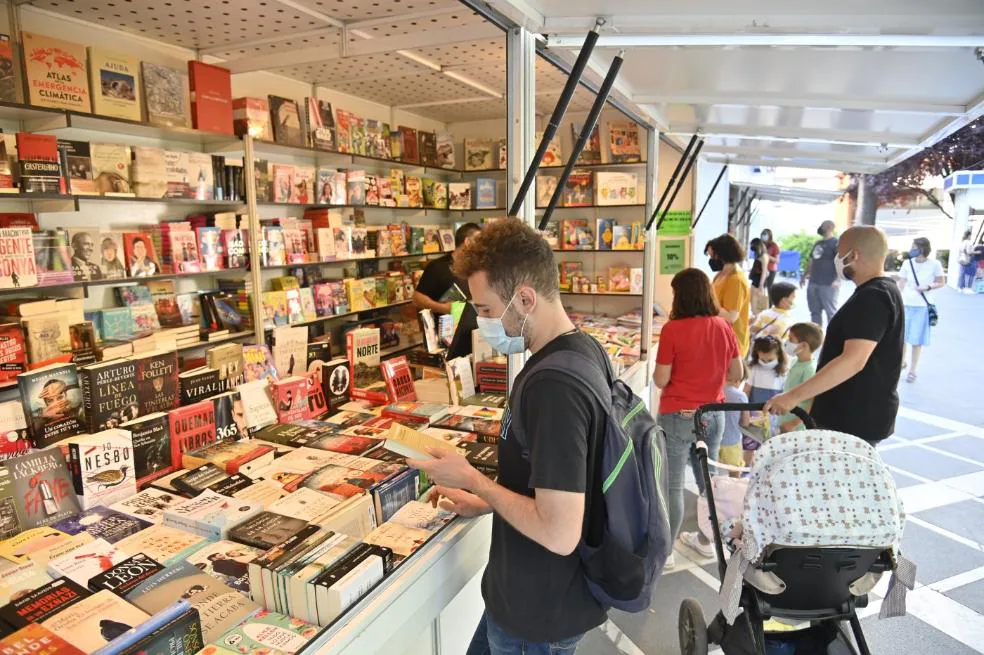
{"x":676,"y":224}
{"x":672,"y":256}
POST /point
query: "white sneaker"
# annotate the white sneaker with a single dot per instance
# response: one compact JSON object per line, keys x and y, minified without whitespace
{"x":968,"y":291}
{"x":692,"y":539}
{"x":670,"y":565}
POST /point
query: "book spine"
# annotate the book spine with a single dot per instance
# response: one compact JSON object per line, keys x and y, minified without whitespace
{"x":193,"y":526}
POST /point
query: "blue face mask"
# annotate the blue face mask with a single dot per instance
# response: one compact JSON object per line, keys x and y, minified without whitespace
{"x":915,"y":252}
{"x":494,"y":333}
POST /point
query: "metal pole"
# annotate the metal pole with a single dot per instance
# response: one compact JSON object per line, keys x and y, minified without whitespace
{"x":683,"y":179}
{"x":550,"y":130}
{"x":709,"y":196}
{"x":586,"y":129}
{"x":673,"y":177}
{"x":649,"y":271}
{"x":738,"y":206}
{"x":521,"y":123}
{"x":255,"y":267}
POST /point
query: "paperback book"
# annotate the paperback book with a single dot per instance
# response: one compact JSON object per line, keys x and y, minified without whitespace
{"x":52,"y":403}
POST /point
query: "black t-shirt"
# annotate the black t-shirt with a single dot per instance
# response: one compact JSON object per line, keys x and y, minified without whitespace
{"x":866,"y":404}
{"x":822,"y":269}
{"x":531,"y":592}
{"x":755,"y":277}
{"x":438,"y":279}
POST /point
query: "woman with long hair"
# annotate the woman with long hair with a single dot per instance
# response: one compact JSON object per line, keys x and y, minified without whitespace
{"x":772,"y":250}
{"x":759,"y":275}
{"x":696,"y":350}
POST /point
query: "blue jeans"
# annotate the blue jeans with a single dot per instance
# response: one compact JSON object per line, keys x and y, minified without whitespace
{"x":490,"y":639}
{"x":679,"y":429}
{"x":967,"y":273}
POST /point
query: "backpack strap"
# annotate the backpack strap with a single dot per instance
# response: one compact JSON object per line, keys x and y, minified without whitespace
{"x":577,"y":366}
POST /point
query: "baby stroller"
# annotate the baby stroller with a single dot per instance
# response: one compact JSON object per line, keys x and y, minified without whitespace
{"x":821,"y":523}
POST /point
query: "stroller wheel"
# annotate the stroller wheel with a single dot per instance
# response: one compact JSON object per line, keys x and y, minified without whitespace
{"x":692,"y":628}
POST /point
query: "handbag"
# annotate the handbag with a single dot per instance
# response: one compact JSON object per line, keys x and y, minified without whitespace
{"x":934,"y":316}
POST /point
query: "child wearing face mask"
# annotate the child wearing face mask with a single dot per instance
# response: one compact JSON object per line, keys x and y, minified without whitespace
{"x":767,"y":371}
{"x":803,"y":340}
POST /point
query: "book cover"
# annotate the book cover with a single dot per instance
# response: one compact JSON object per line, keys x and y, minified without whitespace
{"x":605,"y":232}
{"x":621,"y":237}
{"x":321,"y":123}
{"x":269,"y":633}
{"x":304,"y":504}
{"x":459,"y":195}
{"x":86,"y":561}
{"x":141,"y":257}
{"x":592,"y":147}
{"x":94,"y":621}
{"x":126,"y":575}
{"x":258,"y":408}
{"x":166,"y":93}
{"x":52,"y":403}
{"x":211,"y":97}
{"x":445,"y":150}
{"x":52,"y":257}
{"x":13,"y":352}
{"x":230,"y":419}
{"x":286,"y":121}
{"x":157,"y":381}
{"x":37,"y":640}
{"x":227,"y":562}
{"x":147,"y":505}
{"x":78,"y":166}
{"x":115,"y":83}
{"x":231,"y":456}
{"x":399,"y":379}
{"x":109,"y":390}
{"x":428,"y":148}
{"x":56,"y":72}
{"x":358,"y":134}
{"x":210,"y":247}
{"x":553,"y":155}
{"x":199,"y":478}
{"x":335,"y":381}
{"x":210,"y":515}
{"x":39,"y":163}
{"x":235,"y":245}
{"x":258,"y":363}
{"x":116,"y":324}
{"x":290,"y":399}
{"x":355,"y":183}
{"x":275,"y":248}
{"x":42,"y":603}
{"x":485,"y":193}
{"x":102,"y":467}
{"x":173,"y":630}
{"x":111,"y":168}
{"x":578,"y":191}
{"x":148,"y":172}
{"x":614,"y":188}
{"x":102,"y":523}
{"x":410,"y":149}
{"x":403,"y":541}
{"x":478,"y":154}
{"x":289,"y":350}
{"x":13,"y":427}
{"x":266,"y":530}
{"x":252,"y":116}
{"x":184,"y":251}
{"x":18,"y":267}
{"x":362,"y":348}
{"x":191,"y":427}
{"x":624,"y":143}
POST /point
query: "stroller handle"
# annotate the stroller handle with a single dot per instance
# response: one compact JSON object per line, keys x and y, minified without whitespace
{"x":799,"y":412}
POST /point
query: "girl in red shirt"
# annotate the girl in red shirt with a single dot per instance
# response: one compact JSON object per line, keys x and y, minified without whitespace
{"x":696,"y":349}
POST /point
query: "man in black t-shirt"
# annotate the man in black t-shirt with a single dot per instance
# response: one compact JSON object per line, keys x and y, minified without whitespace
{"x":821,"y":295}
{"x":536,"y":597}
{"x":438,"y":285}
{"x":854,"y":390}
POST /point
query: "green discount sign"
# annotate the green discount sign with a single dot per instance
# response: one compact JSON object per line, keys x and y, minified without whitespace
{"x":676,"y":224}
{"x":672,"y":256}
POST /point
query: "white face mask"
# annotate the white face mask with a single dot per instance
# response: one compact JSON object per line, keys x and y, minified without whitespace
{"x":792,"y":349}
{"x":494,"y":332}
{"x":840,"y":264}
{"x":770,"y":365}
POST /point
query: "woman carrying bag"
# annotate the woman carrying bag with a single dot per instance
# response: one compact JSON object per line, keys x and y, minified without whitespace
{"x":918,"y":277}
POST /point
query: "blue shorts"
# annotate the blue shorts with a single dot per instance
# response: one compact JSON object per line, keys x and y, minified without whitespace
{"x":917,"y":325}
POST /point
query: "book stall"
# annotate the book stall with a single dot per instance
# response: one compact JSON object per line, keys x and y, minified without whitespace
{"x":212,"y":370}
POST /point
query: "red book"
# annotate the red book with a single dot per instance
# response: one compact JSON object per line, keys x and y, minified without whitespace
{"x":317,"y":403}
{"x":19,"y":219}
{"x":399,"y":380}
{"x":211,"y":97}
{"x":141,"y":260}
{"x":290,"y":399}
{"x":13,"y":352}
{"x":192,"y":427}
{"x":410,"y":152}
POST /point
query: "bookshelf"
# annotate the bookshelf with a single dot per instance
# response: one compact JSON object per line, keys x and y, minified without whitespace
{"x":118,"y":282}
{"x":332,"y":317}
{"x":613,"y":294}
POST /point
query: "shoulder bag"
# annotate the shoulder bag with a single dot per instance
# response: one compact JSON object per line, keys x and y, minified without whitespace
{"x":934,"y":316}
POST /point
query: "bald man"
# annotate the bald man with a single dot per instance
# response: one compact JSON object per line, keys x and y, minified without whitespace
{"x":854,"y":390}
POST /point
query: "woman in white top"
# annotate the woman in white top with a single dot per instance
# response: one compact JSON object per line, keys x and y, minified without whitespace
{"x":917,"y":279}
{"x":968,"y":263}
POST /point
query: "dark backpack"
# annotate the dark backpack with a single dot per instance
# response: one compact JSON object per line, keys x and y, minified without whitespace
{"x":622,"y":569}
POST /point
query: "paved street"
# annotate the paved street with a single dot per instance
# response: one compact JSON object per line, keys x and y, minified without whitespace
{"x":937,"y":458}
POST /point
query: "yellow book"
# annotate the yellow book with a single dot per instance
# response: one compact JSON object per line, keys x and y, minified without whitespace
{"x":413,"y":443}
{"x":115,"y":81}
{"x":57,"y":73}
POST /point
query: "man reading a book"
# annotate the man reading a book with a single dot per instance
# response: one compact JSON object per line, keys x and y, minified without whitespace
{"x":438,"y":286}
{"x":536,"y":597}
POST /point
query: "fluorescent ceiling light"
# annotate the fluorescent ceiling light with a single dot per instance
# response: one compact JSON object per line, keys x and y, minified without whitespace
{"x":473,"y":84}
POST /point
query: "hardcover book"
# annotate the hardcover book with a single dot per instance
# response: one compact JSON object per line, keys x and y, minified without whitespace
{"x":321,"y":123}
{"x":258,"y":408}
{"x":148,"y":172}
{"x":109,"y":391}
{"x":94,"y":621}
{"x":266,"y":530}
{"x":478,"y":154}
{"x":445,"y":150}
{"x":18,"y":267}
{"x":624,"y":143}
{"x":42,"y":603}
{"x":614,"y":188}
{"x":102,"y":467}
{"x":115,"y":83}
{"x":157,"y":381}
{"x":286,"y":121}
{"x":485,"y":193}
{"x":211,"y":97}
{"x":252,"y":116}
{"x":52,"y":403}
{"x":411,"y":153}
{"x":102,"y":523}
{"x":141,"y":257}
{"x":151,"y":447}
{"x":163,"y":543}
{"x":53,"y":257}
{"x":191,"y":427}
{"x":578,"y":189}
{"x":428,"y":148}
{"x":56,"y":72}
{"x":210,"y":515}
{"x":270,"y":633}
{"x":198,"y":384}
{"x":78,"y":165}
{"x":125,"y":576}
{"x":111,"y":168}
{"x":459,"y":195}
{"x":592,"y":147}
{"x":166,"y":95}
{"x":335,"y":381}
